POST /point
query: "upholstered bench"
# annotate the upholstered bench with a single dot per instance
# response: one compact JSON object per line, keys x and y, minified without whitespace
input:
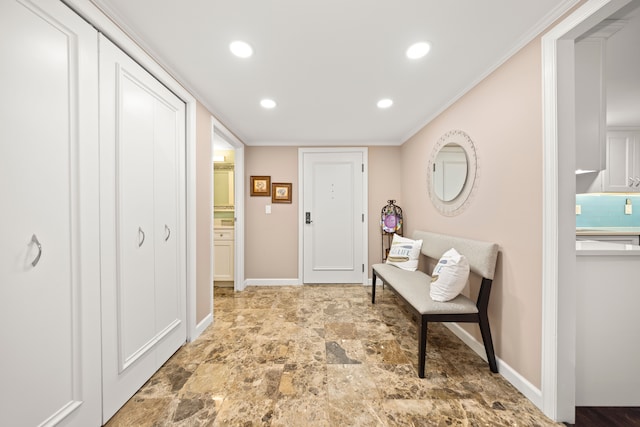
{"x":413,"y":289}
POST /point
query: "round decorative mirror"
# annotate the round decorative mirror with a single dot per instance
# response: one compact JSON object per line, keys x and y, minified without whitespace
{"x":452,"y":172}
{"x":449,"y":172}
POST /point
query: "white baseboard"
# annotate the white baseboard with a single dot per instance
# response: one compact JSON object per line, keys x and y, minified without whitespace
{"x":272,"y":282}
{"x":518,"y":381}
{"x":200,"y":327}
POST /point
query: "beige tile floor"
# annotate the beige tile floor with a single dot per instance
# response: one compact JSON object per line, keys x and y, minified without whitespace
{"x":322,"y":356}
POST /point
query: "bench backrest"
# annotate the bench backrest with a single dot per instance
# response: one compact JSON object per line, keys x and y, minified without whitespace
{"x":481,"y":255}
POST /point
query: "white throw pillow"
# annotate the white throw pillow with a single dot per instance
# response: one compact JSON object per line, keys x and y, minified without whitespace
{"x":404,"y":253}
{"x":450,"y":276}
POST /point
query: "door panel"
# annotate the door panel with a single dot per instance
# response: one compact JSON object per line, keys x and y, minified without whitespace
{"x":135,"y":228}
{"x":170,"y":297}
{"x":49,"y":312}
{"x":144,"y":280}
{"x":333,"y":196}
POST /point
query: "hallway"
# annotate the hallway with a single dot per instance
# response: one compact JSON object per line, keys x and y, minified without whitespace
{"x":322,"y":356}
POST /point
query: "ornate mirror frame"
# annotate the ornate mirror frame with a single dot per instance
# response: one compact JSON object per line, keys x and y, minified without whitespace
{"x":460,"y":202}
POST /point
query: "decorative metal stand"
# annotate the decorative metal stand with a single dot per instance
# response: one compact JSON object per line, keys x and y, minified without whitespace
{"x":391,"y":223}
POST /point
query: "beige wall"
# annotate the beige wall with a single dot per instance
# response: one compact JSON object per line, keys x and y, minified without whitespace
{"x":385,"y":179}
{"x":204,"y":182}
{"x":271,"y":249}
{"x":503,"y":116}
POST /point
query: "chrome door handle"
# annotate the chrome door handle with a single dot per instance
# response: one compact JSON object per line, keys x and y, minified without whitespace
{"x":34,"y":239}
{"x":141,"y":236}
{"x":168,"y":231}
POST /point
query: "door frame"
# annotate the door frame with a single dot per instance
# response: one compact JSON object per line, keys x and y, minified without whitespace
{"x":238,"y":196}
{"x":558,"y":216}
{"x":365,"y":203}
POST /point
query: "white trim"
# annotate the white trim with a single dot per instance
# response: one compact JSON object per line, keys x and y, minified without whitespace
{"x":212,"y":257}
{"x":530,"y":391}
{"x":352,"y":143}
{"x":273,"y":282}
{"x":103,"y":24}
{"x":558,"y":328}
{"x":204,"y":324}
{"x":238,"y":181}
{"x":365,"y":204}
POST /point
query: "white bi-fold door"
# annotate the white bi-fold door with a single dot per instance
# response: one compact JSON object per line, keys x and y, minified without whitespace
{"x":49,"y":217}
{"x":142,"y":137}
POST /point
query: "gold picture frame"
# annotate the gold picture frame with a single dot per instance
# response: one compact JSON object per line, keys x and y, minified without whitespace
{"x":260,"y":186}
{"x":281,"y":192}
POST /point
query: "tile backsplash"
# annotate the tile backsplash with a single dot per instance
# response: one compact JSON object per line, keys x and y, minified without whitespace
{"x":607,"y":210}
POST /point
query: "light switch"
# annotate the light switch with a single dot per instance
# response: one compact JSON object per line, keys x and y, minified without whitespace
{"x":267,"y":209}
{"x":578,"y":209}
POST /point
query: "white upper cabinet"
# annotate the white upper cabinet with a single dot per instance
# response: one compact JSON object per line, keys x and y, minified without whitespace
{"x":623,"y":161}
{"x":590,"y":104}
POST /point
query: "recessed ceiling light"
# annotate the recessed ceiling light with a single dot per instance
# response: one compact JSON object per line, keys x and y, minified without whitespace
{"x":418,"y":50}
{"x":241,"y":49}
{"x":385,"y":103}
{"x":268,"y":103}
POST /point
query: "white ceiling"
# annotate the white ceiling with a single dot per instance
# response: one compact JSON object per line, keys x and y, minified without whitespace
{"x":327,"y":63}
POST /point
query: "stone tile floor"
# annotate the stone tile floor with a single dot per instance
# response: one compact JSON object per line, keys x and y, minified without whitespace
{"x":323,"y":355}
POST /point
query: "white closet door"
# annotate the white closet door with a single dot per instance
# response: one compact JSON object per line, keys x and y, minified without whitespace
{"x":49,"y":220}
{"x":169,"y":209}
{"x":142,"y":221}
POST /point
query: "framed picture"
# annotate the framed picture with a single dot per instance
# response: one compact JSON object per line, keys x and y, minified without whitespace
{"x":281,"y":192}
{"x":260,"y":186}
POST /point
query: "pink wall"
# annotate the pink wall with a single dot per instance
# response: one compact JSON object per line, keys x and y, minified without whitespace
{"x":203,"y":211}
{"x":503,"y":117}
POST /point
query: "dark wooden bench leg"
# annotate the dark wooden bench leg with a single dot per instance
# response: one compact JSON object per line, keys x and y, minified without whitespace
{"x":488,"y":342}
{"x":422,"y":345}
{"x":373,"y":288}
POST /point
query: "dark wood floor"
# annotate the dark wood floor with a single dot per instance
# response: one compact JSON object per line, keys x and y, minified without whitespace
{"x":607,"y":417}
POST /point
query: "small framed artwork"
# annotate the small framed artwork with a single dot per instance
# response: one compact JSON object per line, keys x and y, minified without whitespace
{"x":281,"y":192}
{"x":260,"y":186}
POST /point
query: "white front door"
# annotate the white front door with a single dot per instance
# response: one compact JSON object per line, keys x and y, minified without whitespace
{"x":49,"y":220}
{"x":333,"y":215}
{"x":142,"y":221}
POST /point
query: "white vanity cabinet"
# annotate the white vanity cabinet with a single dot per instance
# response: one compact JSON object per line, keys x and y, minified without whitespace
{"x":223,"y":250}
{"x":623,"y":161}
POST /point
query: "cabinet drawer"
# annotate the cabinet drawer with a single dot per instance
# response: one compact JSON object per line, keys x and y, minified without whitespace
{"x":222,"y":234}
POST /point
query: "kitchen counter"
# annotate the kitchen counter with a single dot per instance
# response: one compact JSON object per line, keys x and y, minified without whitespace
{"x":595,"y":248}
{"x":607,"y":231}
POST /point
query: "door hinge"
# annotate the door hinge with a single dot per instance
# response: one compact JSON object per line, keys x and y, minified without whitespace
{"x":363,"y":268}
{"x":362,"y":217}
{"x":362,"y":167}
